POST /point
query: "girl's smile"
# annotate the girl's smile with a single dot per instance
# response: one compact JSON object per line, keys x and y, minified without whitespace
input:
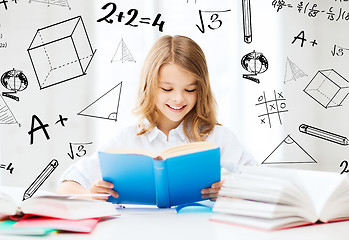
{"x":176,"y":109}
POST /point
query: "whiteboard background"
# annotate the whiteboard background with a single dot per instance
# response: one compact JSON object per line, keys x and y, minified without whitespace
{"x":273,"y":32}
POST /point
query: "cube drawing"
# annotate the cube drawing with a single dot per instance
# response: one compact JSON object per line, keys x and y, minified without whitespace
{"x":60,"y":52}
{"x":328,"y":88}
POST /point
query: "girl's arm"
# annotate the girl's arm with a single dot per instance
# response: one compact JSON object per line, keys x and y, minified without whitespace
{"x":98,"y":187}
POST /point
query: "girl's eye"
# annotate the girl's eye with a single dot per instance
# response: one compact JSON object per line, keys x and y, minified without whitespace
{"x":192,"y":90}
{"x":166,"y":89}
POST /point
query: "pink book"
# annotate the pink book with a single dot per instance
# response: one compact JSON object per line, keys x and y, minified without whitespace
{"x":82,"y":226}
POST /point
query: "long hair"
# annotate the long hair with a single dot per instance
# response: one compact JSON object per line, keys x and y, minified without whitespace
{"x":188,"y":55}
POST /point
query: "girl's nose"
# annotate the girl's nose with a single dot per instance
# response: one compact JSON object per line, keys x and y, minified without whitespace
{"x":177,"y":96}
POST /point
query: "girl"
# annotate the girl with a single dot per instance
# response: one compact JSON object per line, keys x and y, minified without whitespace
{"x":176,"y":106}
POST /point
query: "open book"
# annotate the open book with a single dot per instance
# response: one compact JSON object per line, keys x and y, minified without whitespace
{"x":277,"y":198}
{"x":54,"y":206}
{"x":174,"y":177}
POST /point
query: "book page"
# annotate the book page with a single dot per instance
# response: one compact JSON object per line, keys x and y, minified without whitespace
{"x":136,"y":151}
{"x":66,"y":208}
{"x":292,"y":176}
{"x":320,"y":186}
{"x":12,"y":193}
{"x":12,"y":197}
{"x":8,"y":205}
{"x":187,"y":149}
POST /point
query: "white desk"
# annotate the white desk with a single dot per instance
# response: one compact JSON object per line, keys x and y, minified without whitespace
{"x":167,"y":226}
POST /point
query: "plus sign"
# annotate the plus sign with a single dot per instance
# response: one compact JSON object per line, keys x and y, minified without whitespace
{"x":61,"y":120}
{"x":4,"y":2}
{"x":313,"y":43}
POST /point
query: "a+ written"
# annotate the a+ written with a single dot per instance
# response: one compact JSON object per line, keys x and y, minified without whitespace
{"x":301,"y":37}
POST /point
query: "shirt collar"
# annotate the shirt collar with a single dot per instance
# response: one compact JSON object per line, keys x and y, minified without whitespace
{"x":180,"y":131}
{"x":153,"y":134}
{"x":156,"y":132}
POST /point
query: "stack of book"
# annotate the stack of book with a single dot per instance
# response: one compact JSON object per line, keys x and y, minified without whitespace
{"x":279,"y":198}
{"x":51,"y":213}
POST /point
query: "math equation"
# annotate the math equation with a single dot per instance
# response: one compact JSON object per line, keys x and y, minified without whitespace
{"x":345,"y":165}
{"x":313,"y":10}
{"x":5,"y":2}
{"x":8,"y":167}
{"x":130,"y":18}
{"x":338,"y":51}
{"x":214,"y":21}
{"x":2,"y":44}
{"x":77,"y":149}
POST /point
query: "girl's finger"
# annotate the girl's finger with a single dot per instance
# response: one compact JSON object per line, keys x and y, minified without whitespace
{"x":102,"y":183}
{"x":210,"y":190}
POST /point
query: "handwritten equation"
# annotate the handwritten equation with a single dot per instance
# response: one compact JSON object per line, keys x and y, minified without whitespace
{"x":3,"y":44}
{"x":215,"y":21}
{"x":313,"y":10}
{"x":131,"y":18}
{"x":338,"y":51}
{"x":77,"y":149}
{"x":8,"y":168}
{"x":345,"y":165}
{"x":5,"y":2}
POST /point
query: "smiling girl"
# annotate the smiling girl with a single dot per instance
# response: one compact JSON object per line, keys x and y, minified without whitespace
{"x":176,"y":106}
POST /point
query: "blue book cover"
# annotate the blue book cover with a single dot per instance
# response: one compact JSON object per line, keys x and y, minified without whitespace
{"x":173,"y":178}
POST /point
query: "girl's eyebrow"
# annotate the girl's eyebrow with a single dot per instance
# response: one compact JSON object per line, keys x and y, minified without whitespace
{"x":161,"y":82}
{"x":169,"y":83}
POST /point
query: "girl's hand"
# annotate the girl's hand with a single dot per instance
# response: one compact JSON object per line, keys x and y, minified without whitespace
{"x":212,"y":192}
{"x":103,"y":187}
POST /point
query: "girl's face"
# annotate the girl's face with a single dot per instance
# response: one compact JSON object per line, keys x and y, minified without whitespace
{"x":176,"y":95}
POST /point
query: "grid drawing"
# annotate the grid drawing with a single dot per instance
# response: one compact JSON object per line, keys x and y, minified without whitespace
{"x":273,"y":107}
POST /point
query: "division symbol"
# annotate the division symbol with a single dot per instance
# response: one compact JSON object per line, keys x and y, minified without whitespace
{"x":15,"y":81}
{"x":61,"y":3}
{"x":6,"y":116}
{"x":289,"y":148}
{"x":328,"y":88}
{"x":122,"y":53}
{"x":255,"y":63}
{"x":100,"y":107}
{"x":292,"y":71}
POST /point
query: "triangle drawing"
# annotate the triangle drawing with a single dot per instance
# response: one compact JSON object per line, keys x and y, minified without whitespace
{"x":62,"y":3}
{"x":106,"y":106}
{"x":6,"y":116}
{"x":122,"y":53}
{"x":292,"y":72}
{"x":288,"y":148}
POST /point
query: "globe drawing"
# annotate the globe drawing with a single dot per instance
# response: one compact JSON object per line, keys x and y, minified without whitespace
{"x":14,"y":80}
{"x":254,"y":62}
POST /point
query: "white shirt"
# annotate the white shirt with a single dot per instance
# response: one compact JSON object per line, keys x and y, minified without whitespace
{"x":87,"y":170}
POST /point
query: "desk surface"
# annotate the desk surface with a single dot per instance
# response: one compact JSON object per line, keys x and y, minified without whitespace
{"x":162,"y":225}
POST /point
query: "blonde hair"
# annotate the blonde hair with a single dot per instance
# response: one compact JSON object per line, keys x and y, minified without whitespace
{"x":186,"y":54}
